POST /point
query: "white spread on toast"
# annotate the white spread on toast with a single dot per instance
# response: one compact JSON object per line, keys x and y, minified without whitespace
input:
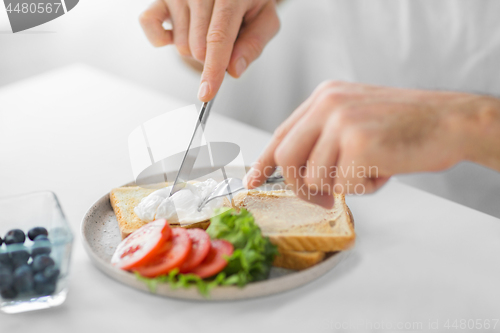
{"x":283,"y":212}
{"x":182,"y":206}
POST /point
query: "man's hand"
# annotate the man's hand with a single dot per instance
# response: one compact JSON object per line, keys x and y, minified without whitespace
{"x":221,"y":34}
{"x":351,"y":138}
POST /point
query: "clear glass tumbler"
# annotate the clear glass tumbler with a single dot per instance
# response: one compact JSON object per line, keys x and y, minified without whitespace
{"x":39,"y":209}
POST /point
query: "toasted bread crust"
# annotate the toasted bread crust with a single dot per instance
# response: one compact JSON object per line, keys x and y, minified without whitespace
{"x":311,"y":242}
{"x":298,"y":260}
{"x":123,"y":205}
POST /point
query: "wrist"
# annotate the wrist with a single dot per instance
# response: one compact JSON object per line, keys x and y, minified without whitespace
{"x":479,"y":130}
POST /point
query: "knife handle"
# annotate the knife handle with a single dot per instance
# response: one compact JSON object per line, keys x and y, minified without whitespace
{"x":205,"y":112}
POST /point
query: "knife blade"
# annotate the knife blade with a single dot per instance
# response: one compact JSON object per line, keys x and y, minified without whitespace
{"x":192,"y":153}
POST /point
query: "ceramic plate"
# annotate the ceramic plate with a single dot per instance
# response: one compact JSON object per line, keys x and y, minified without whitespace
{"x":101,"y":236}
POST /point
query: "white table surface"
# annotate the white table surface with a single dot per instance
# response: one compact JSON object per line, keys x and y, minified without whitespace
{"x":418,"y":258}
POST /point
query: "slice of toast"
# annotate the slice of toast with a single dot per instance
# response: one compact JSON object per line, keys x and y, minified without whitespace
{"x":125,"y":199}
{"x":296,"y":225}
{"x":298,"y":260}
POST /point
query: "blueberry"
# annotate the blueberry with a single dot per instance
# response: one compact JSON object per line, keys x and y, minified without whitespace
{"x":51,"y":273}
{"x":9,"y":266}
{"x":20,"y":257}
{"x":43,"y":286}
{"x":14,"y":236}
{"x":5,"y":259}
{"x":36,"y":251}
{"x":41,"y":238}
{"x":8,"y":293}
{"x":6,"y":266}
{"x":46,"y":289}
{"x":40,"y":246}
{"x":36,"y":231}
{"x":41,"y":262}
{"x":39,"y":278}
{"x":6,"y":278}
{"x":23,"y":279}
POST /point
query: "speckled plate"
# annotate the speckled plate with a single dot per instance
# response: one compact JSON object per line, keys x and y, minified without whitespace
{"x":101,"y":236}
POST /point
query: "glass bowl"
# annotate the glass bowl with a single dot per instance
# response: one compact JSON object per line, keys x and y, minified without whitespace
{"x":39,"y":209}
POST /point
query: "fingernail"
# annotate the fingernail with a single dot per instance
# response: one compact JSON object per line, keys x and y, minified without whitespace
{"x":204,"y":90}
{"x":240,"y":67}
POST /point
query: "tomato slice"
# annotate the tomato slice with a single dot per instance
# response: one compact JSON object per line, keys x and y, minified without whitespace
{"x":173,"y":255}
{"x":214,"y":262}
{"x":142,"y":245}
{"x":199,"y":249}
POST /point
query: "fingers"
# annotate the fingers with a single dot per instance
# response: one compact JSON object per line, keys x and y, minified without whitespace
{"x":259,"y":172}
{"x":265,"y":165}
{"x":324,"y":200}
{"x":313,"y":137}
{"x":374,"y":184}
{"x":321,"y":169}
{"x":222,"y":32}
{"x":180,"y":23}
{"x":357,"y":167}
{"x":209,"y":31}
{"x":152,"y":23}
{"x":253,"y":38}
{"x":290,"y":149}
{"x":201,"y":12}
{"x":293,"y":152}
{"x":293,"y":155}
{"x":350,"y":178}
{"x":295,"y":149}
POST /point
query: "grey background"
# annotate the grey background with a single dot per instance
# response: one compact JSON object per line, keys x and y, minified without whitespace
{"x":452,"y":45}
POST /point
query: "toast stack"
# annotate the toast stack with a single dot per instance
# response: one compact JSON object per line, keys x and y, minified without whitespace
{"x":303,"y":232}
